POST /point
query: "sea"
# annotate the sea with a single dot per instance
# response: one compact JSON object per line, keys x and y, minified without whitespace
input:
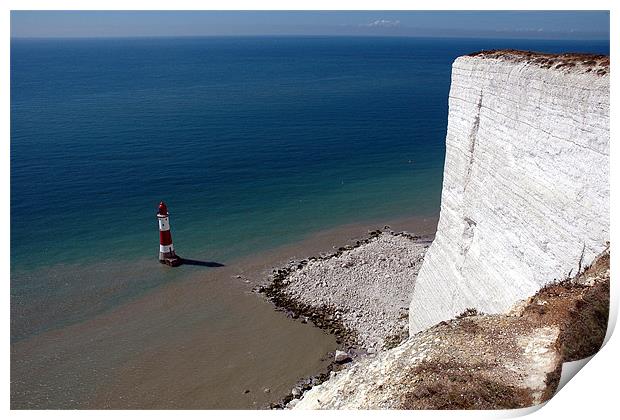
{"x":254,"y":143}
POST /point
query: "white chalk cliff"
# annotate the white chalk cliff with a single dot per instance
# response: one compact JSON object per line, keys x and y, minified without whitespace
{"x":525,"y":195}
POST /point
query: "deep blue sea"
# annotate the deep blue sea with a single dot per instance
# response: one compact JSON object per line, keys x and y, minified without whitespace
{"x":253,"y":142}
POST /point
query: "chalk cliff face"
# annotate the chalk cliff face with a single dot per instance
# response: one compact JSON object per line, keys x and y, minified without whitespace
{"x":525,"y":195}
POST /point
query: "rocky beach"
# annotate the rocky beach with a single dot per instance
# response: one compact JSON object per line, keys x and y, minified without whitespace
{"x":361,"y":292}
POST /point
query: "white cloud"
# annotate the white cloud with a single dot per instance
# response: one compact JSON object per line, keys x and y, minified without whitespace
{"x":383,"y":23}
{"x":520,"y":30}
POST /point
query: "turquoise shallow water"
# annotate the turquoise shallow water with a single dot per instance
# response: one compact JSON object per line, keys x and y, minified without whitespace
{"x":252,"y":142}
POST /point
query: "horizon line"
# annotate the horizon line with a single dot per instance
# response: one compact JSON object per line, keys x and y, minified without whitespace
{"x":78,"y":37}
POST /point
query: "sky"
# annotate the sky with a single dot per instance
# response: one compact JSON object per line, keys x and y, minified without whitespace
{"x":496,"y":24}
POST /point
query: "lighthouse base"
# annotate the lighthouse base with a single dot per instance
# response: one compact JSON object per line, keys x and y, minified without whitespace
{"x":172,"y":262}
{"x":170,"y":258}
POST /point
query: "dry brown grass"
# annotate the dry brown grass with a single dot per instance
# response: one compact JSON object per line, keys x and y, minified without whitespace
{"x":460,"y":387}
{"x":597,"y":64}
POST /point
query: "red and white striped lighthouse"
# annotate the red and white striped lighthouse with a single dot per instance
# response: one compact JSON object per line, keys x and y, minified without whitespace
{"x":166,"y":248}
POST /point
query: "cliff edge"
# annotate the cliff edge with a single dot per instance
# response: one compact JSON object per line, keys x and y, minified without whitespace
{"x":525,"y":197}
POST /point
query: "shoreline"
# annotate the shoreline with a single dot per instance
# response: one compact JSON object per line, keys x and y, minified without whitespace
{"x":329,"y":317}
{"x":255,"y":267}
{"x":362,"y":326}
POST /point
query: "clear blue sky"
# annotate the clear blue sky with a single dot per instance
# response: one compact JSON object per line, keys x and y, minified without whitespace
{"x":507,"y":24}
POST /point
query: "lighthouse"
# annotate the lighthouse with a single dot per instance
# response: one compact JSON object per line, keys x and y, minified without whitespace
{"x":166,"y":248}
